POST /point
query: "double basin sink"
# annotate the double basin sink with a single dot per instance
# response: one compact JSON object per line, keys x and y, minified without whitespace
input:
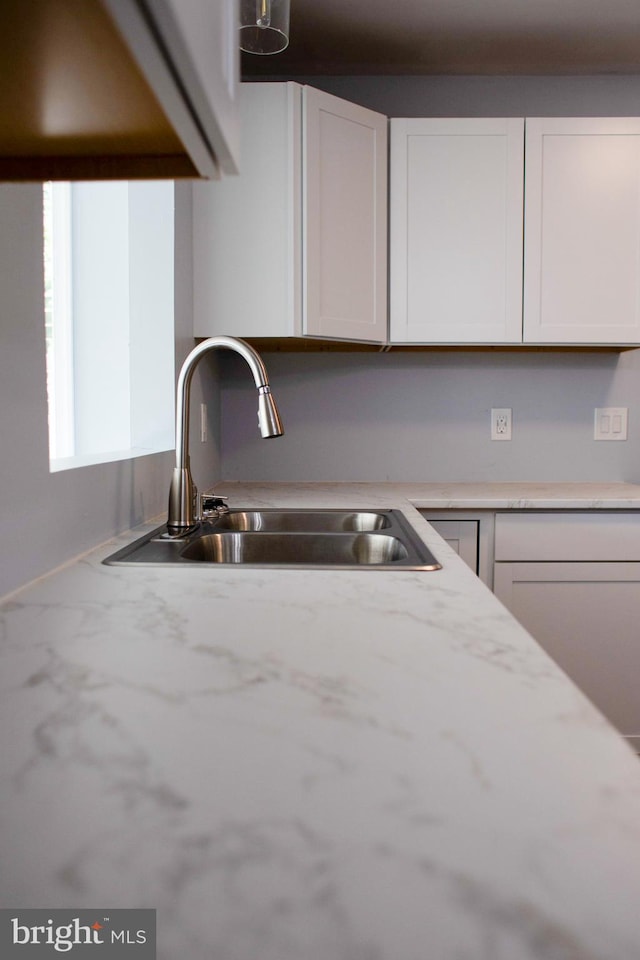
{"x":289,"y":539}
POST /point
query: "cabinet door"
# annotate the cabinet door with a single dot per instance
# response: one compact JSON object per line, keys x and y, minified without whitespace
{"x":462,"y":536}
{"x":344,"y":219}
{"x":582,"y":215}
{"x":456,"y":231}
{"x":586,"y":616}
{"x":296,"y":245}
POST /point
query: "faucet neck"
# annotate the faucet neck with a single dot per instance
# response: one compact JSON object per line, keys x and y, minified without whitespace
{"x":183,"y":393}
{"x":182,"y":492}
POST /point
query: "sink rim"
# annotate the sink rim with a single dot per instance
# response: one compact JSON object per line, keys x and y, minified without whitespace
{"x":160,"y":548}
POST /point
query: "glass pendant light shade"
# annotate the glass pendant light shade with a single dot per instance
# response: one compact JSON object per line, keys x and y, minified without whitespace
{"x":264,"y":26}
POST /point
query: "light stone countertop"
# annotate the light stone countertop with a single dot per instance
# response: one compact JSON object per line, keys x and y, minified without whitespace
{"x":315,"y":765}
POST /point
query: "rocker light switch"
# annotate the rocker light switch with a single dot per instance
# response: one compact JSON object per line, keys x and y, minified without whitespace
{"x":610,"y":423}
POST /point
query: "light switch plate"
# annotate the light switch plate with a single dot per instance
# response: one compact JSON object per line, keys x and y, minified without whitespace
{"x":610,"y":423}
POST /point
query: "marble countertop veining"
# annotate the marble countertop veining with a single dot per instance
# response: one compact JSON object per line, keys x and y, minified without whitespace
{"x":315,"y":765}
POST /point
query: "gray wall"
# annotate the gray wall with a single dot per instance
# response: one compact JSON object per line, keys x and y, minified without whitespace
{"x":45,"y":519}
{"x":425,"y":416}
{"x":488,"y":96}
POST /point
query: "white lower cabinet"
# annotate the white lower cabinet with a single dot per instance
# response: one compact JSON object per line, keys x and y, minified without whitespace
{"x":470,"y":535}
{"x":462,"y":536}
{"x":573,"y":581}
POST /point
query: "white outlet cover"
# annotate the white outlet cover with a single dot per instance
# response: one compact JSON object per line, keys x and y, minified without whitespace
{"x":501,"y":418}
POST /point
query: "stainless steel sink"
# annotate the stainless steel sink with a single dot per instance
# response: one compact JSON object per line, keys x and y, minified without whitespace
{"x":289,"y":539}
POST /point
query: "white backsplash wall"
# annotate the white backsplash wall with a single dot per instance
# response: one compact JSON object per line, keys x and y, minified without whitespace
{"x":425,"y":416}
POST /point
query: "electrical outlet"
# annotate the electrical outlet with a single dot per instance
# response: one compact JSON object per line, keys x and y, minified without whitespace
{"x":501,"y":423}
{"x":610,"y":423}
{"x":203,"y":423}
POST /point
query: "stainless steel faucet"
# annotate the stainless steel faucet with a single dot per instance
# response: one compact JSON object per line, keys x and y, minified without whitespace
{"x":182,"y":494}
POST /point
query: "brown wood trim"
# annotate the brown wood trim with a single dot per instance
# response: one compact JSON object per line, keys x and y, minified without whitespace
{"x":312,"y":345}
{"x":112,"y":167}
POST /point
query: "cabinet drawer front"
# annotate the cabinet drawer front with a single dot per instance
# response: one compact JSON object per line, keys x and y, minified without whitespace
{"x":568,"y":536}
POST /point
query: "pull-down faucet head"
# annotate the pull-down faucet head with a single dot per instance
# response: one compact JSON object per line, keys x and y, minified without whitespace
{"x":182,"y":494}
{"x":268,"y":417}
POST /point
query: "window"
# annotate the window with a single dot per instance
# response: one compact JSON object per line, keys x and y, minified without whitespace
{"x":109,"y":298}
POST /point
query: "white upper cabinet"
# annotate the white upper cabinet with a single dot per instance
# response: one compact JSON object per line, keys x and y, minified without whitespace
{"x":456,"y":230}
{"x":582,"y":216}
{"x":297,"y":244}
{"x":457,"y":240}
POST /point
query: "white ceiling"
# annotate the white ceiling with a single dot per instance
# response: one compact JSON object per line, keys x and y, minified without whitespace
{"x":351,"y":37}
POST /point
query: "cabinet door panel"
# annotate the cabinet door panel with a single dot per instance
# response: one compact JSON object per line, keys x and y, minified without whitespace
{"x":456,"y":230}
{"x":586,"y":616}
{"x":582,"y":215}
{"x":345,"y":223}
{"x":462,"y":536}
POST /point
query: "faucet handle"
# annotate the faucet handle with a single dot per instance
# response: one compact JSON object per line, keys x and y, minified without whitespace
{"x":212,"y":505}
